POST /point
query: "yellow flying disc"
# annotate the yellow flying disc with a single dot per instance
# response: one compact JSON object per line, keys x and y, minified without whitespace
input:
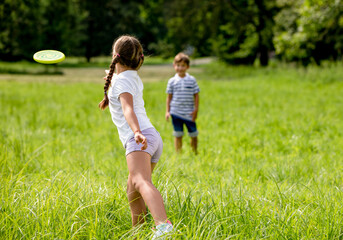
{"x":49,"y":56}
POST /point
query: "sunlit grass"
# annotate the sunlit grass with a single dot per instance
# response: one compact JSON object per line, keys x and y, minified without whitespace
{"x":269,"y":163}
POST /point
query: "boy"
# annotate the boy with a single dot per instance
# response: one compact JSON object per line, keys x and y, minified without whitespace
{"x":183,"y":102}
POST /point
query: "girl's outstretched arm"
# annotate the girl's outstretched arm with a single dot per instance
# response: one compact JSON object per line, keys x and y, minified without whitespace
{"x":126,"y":101}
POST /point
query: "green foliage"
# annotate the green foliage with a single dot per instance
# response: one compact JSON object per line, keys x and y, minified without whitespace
{"x":19,"y":28}
{"x":29,"y":26}
{"x":246,"y":33}
{"x":312,"y":33}
{"x":234,"y":46}
{"x":191,"y":25}
{"x":106,"y":20}
{"x":152,"y":14}
{"x":238,"y":32}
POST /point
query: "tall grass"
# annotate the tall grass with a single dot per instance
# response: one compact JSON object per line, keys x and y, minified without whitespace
{"x":269,"y":163}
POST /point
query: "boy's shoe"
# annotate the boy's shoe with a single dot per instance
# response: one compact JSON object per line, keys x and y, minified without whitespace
{"x":162,"y":230}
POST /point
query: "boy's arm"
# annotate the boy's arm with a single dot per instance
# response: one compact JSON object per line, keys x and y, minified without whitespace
{"x":169,"y":98}
{"x":196,"y":107}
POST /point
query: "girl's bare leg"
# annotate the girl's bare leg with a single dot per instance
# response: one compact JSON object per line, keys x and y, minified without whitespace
{"x":137,"y":204}
{"x":140,"y":170}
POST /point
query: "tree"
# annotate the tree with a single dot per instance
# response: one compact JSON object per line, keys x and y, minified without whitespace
{"x":314,"y":31}
{"x":62,"y":26}
{"x":19,"y":28}
{"x":107,"y":20}
{"x":152,"y":14}
{"x":31,"y":25}
{"x":246,"y":33}
{"x":178,"y":25}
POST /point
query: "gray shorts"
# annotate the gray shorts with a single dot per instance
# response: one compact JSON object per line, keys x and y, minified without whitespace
{"x":155,"y":144}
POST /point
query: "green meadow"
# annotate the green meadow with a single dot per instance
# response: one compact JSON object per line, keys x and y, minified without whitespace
{"x":270,"y":162}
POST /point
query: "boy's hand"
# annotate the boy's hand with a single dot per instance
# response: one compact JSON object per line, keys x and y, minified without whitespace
{"x":167,"y":115}
{"x":194,"y":115}
{"x":140,"y":138}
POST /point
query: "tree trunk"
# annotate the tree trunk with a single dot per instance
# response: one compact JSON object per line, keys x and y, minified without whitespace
{"x":264,"y":58}
{"x":262,"y":48}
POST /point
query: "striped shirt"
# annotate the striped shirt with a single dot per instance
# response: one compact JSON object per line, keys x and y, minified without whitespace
{"x":183,"y":90}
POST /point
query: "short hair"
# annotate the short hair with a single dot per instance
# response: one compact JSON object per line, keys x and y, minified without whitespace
{"x":181,"y":57}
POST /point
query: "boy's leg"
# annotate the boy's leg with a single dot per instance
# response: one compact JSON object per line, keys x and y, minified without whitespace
{"x":194,"y":144}
{"x":178,"y":132}
{"x":193,"y":133}
{"x":178,"y":144}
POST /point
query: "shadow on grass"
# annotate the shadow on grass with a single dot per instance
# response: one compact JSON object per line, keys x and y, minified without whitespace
{"x":46,"y":71}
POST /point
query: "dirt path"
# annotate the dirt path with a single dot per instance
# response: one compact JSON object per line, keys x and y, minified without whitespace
{"x":149,"y":73}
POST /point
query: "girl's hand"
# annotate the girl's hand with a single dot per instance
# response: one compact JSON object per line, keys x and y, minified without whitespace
{"x":140,"y":138}
{"x":167,"y":115}
{"x":194,"y":115}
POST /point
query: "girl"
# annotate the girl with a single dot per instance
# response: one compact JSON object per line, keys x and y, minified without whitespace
{"x":142,"y":142}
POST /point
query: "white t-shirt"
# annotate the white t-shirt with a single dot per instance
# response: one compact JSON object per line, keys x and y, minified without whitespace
{"x":127,"y":81}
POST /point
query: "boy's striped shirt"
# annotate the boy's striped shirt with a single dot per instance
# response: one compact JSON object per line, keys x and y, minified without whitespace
{"x":183,"y":90}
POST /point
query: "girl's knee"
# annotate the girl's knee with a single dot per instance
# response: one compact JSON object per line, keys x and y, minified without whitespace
{"x":129,"y":180}
{"x":139,"y":183}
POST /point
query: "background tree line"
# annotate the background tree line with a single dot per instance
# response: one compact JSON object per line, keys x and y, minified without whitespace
{"x":236,"y":31}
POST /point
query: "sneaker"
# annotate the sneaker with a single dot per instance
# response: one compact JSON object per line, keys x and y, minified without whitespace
{"x":162,"y":230}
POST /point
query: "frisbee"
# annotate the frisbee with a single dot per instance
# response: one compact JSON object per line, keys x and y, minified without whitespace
{"x":49,"y":56}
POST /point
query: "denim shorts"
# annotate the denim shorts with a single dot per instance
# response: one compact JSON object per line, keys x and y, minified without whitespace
{"x":178,"y":126}
{"x":155,"y":144}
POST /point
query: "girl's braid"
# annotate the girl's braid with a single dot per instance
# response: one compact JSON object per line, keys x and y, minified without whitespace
{"x":104,"y":103}
{"x":129,"y":52}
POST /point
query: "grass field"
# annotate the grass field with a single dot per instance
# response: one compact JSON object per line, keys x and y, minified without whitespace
{"x":270,"y":162}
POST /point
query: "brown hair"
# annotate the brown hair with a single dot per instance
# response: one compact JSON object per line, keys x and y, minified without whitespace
{"x":181,"y":57}
{"x":128,"y":52}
